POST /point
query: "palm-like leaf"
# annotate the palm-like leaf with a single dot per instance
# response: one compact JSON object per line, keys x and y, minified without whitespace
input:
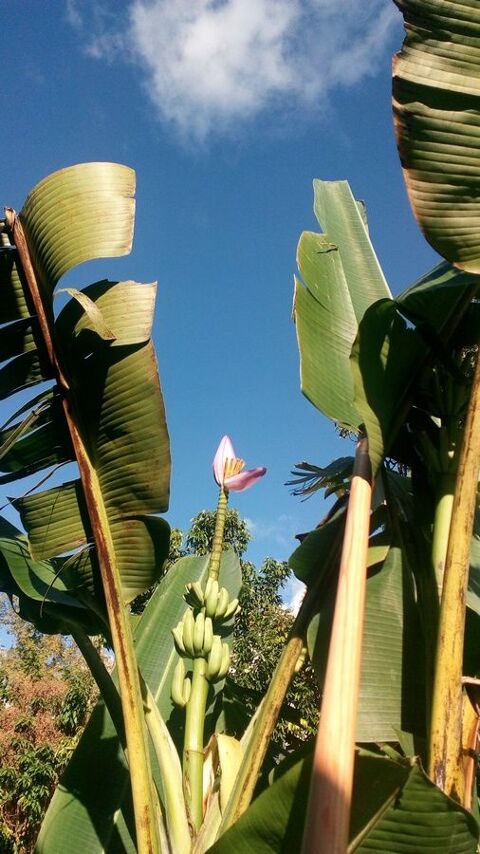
{"x":91,"y":809}
{"x":436,"y":102}
{"x":111,"y":413}
{"x":342,"y":277}
{"x":395,"y":808}
{"x":111,"y":385}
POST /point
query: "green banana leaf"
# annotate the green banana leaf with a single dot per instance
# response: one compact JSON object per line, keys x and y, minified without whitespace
{"x":359,"y":350}
{"x":436,"y":104}
{"x":102,"y":360}
{"x":91,"y":809}
{"x":395,"y":809}
{"x":394,"y":339}
{"x":43,"y":596}
{"x":315,"y":557}
{"x":385,"y":358}
{"x":392,"y":690}
{"x":341,"y":278}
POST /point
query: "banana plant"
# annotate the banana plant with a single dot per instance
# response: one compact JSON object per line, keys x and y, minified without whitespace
{"x":436,"y":111}
{"x":102,"y":410}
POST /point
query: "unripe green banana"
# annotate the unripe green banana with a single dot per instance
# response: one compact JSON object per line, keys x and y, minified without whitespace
{"x":211,"y":597}
{"x":225,"y":661}
{"x":181,"y":686}
{"x":177,"y":633}
{"x":214,"y":661}
{"x":231,"y":610}
{"x":222,"y":603}
{"x":199,"y":634}
{"x":301,"y":659}
{"x":207,"y":636}
{"x":194,"y":595}
{"x":188,"y":626}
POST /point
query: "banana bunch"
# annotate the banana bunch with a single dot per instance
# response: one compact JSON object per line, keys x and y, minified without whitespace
{"x":193,"y":635}
{"x":218,"y":660}
{"x":181,"y":685}
{"x":215,"y":600}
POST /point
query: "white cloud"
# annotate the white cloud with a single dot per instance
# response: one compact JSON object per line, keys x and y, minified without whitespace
{"x":212,"y":64}
{"x":72,"y":15}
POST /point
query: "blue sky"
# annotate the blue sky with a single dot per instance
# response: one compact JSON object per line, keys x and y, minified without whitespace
{"x":227,"y":111}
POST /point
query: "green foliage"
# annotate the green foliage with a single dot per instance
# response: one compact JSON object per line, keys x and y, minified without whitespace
{"x":99,"y":812}
{"x":200,"y":535}
{"x":395,"y":808}
{"x":260,"y":632}
{"x":109,"y":378}
{"x":341,"y":279}
{"x":47,"y":694}
{"x":175,"y":552}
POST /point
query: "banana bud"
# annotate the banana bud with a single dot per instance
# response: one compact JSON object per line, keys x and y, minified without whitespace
{"x":187,"y":635}
{"x":181,"y":685}
{"x":194,"y":595}
{"x":232,"y":609}
{"x":222,"y":603}
{"x":214,"y":661}
{"x":199,"y":634}
{"x":225,"y":661}
{"x":177,"y":633}
{"x":211,"y":597}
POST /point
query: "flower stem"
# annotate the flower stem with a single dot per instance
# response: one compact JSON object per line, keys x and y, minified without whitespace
{"x":217,"y":544}
{"x":193,"y":744}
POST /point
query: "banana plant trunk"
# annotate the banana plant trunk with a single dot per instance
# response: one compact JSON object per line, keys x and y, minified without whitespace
{"x":328,"y":813}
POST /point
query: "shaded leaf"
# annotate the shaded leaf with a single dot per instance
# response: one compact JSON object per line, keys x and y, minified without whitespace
{"x":56,"y":519}
{"x":385,"y":355}
{"x":395,"y":808}
{"x":13,"y":304}
{"x":317,"y":553}
{"x":392,"y":693}
{"x":119,"y":397}
{"x":16,"y":338}
{"x":20,"y":372}
{"x":436,"y":103}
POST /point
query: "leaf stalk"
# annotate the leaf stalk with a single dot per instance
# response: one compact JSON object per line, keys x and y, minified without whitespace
{"x":328,"y":813}
{"x":122,"y":640}
{"x":445,"y":749}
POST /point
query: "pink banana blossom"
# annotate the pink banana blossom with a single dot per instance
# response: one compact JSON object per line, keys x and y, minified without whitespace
{"x":228,"y":470}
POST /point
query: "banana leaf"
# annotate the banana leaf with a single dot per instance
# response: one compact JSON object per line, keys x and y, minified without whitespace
{"x":105,"y":408}
{"x":395,"y":808}
{"x":436,"y":105}
{"x":340,"y":278}
{"x":91,"y":807}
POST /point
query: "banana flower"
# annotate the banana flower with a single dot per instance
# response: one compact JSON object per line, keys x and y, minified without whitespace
{"x":228,"y":469}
